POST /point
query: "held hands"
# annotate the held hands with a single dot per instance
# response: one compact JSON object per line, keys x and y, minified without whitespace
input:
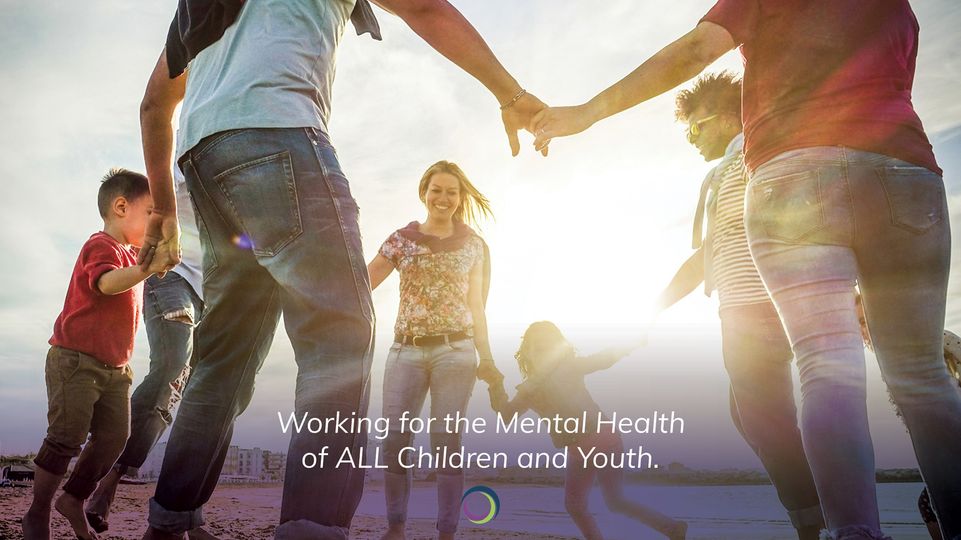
{"x":518,"y":115}
{"x":488,"y":372}
{"x":161,"y":246}
{"x":498,"y":396}
{"x":560,"y":122}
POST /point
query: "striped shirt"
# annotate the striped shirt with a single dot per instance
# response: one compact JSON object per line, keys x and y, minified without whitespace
{"x":734,"y":272}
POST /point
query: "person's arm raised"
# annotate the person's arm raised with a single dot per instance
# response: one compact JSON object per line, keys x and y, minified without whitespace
{"x":444,"y":28}
{"x":156,"y":130}
{"x":669,"y":67}
{"x":687,"y":278}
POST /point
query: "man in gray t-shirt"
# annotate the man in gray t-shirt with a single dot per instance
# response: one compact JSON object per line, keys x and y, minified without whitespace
{"x":280,"y":235}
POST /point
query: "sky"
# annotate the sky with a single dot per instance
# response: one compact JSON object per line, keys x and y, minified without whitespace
{"x":585,"y":237}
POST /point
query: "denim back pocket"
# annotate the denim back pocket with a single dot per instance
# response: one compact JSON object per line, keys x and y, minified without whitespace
{"x":915,"y":197}
{"x":790,"y":206}
{"x":263,"y":196}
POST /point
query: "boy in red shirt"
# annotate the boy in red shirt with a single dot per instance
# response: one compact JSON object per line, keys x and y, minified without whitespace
{"x":88,"y":378}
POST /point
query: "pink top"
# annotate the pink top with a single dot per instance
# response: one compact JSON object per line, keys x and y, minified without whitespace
{"x":433,"y":285}
{"x":827,"y":73}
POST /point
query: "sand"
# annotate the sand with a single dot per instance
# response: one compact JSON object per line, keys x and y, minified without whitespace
{"x":235,"y":512}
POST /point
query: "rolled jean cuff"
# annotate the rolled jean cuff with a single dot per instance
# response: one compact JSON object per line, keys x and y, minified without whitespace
{"x":854,"y":532}
{"x":53,"y":459}
{"x":80,"y":487}
{"x":173,"y":522}
{"x":806,"y":517}
{"x":303,"y":529}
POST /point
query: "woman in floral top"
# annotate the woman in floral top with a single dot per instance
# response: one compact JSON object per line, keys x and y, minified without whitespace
{"x":441,"y":328}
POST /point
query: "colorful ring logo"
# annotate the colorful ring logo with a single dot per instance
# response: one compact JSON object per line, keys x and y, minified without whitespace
{"x":492,"y":499}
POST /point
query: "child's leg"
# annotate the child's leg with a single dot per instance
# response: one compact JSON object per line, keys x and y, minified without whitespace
{"x":577,"y":486}
{"x":70,"y":402}
{"x":171,"y":309}
{"x":36,"y":522}
{"x":612,"y":487}
{"x":109,"y":430}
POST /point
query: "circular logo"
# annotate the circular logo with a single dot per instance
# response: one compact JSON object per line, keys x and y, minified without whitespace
{"x":480,"y":497}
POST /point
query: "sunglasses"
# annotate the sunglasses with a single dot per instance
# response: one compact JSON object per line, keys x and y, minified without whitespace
{"x":694,"y":129}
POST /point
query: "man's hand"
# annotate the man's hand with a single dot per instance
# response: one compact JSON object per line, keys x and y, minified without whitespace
{"x":161,"y":247}
{"x":560,"y":122}
{"x":488,"y":372}
{"x":520,"y":115}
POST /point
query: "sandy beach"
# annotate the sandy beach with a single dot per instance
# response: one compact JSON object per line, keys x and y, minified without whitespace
{"x":235,"y":512}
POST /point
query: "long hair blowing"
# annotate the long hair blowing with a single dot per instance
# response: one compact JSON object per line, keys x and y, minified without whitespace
{"x":473,"y":204}
{"x":542,"y":332}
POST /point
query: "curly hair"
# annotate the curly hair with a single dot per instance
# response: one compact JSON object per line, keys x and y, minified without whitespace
{"x":542,"y":331}
{"x":719,"y":92}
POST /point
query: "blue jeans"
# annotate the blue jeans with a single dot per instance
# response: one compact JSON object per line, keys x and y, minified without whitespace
{"x":757,"y":356}
{"x":279,"y":231}
{"x":820,"y":220}
{"x":449,"y":372}
{"x":171,"y":310}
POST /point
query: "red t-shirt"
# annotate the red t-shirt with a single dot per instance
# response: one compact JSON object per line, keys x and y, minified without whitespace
{"x":827,"y":73}
{"x":94,"y":323}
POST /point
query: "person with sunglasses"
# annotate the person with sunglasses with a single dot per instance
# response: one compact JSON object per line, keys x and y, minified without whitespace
{"x":844,"y":189}
{"x":756,"y":351}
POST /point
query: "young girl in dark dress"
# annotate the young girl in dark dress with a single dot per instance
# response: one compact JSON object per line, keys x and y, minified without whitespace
{"x":554,"y":385}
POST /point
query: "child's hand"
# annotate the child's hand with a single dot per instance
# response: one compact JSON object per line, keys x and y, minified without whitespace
{"x":498,"y":395}
{"x":488,"y":372}
{"x":161,"y":262}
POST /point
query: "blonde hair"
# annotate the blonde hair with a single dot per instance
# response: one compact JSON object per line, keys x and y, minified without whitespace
{"x":542,"y":331}
{"x":473,"y":204}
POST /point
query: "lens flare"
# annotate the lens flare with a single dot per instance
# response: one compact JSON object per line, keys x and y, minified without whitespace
{"x":243,"y":241}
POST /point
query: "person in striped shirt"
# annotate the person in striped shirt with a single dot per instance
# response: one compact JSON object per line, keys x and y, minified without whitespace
{"x":756,"y":351}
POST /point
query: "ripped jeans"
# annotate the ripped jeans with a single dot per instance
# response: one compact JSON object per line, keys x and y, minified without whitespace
{"x":171,"y":311}
{"x":819,"y":221}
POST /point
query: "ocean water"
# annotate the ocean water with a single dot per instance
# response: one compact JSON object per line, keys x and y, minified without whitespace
{"x":712,"y":512}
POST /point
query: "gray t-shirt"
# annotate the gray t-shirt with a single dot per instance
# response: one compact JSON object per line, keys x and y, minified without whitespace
{"x":273,"y":68}
{"x":191,"y":260}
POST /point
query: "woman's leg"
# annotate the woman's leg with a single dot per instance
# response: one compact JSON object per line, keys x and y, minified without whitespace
{"x":453,"y":372}
{"x":405,"y":388}
{"x":904,"y":250}
{"x":800,"y":224}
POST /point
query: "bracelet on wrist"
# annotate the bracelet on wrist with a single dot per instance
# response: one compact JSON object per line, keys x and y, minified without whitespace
{"x":514,"y":99}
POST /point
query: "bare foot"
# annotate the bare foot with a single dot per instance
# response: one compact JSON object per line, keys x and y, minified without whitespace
{"x":200,"y":533}
{"x":154,"y":534}
{"x":97,"y":522}
{"x":71,"y":508}
{"x":102,"y":498}
{"x":395,"y":532}
{"x":36,"y":524}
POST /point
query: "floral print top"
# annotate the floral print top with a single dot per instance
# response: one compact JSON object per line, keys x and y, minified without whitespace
{"x":433,"y":286}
